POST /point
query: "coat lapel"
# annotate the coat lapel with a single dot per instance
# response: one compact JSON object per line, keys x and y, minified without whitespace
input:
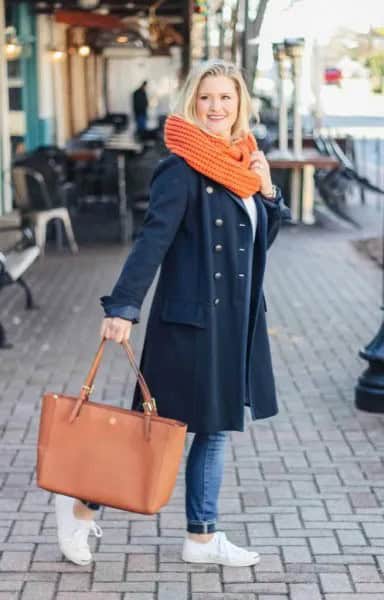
{"x":234,"y":197}
{"x":261,"y":237}
{"x":237,"y":199}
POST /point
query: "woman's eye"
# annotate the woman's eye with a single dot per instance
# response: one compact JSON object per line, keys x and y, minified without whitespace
{"x":203,"y":97}
{"x":226,"y":97}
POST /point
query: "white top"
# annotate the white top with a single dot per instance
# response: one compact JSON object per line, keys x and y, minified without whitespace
{"x":250,"y":205}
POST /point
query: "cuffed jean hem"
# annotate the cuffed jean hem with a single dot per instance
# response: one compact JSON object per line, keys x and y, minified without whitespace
{"x":201,"y":526}
{"x":91,"y":505}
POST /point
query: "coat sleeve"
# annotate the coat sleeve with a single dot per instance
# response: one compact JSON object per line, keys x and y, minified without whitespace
{"x":167,"y":206}
{"x":277,"y":211}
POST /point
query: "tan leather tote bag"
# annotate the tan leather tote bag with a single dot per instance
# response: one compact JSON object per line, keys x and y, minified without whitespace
{"x":112,"y":456}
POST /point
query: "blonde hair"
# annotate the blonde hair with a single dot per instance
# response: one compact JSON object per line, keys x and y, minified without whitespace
{"x":185,"y":105}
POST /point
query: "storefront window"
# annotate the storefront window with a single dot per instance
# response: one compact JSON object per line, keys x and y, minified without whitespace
{"x":14,"y":69}
{"x":15,"y":99}
{"x":15,"y":95}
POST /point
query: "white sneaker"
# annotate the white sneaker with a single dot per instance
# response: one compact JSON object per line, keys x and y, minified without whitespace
{"x":72,"y":532}
{"x":218,"y":550}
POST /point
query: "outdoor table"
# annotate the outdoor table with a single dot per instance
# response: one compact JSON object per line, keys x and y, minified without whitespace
{"x":97,"y":132}
{"x":125,"y":141}
{"x":302,"y":166}
{"x":124,"y":145}
{"x":83,"y":153}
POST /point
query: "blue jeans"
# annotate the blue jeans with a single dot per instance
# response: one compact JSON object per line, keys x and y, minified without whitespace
{"x":203,"y":477}
{"x":141,"y":122}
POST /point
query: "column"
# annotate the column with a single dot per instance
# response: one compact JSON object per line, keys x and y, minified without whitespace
{"x":294,"y":49}
{"x":5,"y":145}
{"x":283,"y":71}
{"x":46,"y":107}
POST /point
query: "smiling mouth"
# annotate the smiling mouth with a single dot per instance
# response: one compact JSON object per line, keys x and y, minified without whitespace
{"x":215,"y":118}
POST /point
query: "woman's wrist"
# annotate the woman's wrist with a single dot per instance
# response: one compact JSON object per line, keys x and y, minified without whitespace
{"x":270,"y":192}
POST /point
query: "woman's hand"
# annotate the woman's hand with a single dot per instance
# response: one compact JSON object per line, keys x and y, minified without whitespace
{"x":116,"y":329}
{"x":260,"y":166}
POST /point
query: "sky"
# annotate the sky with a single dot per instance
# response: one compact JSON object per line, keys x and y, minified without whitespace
{"x":320,"y":18}
{"x":315,"y":19}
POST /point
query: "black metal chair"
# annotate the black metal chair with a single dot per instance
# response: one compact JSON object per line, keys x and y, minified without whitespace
{"x":57,"y":160}
{"x":334,"y":184}
{"x":120,"y":121}
{"x":40,"y":201}
{"x":139,"y":171}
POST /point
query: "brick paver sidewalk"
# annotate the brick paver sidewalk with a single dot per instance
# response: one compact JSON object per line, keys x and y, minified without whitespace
{"x":304,"y":488}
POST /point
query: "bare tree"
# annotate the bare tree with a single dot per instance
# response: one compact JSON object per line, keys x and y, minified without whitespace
{"x":252,"y":52}
{"x":234,"y":21}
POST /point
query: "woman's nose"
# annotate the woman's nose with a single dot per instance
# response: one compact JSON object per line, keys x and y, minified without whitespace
{"x":215,"y":104}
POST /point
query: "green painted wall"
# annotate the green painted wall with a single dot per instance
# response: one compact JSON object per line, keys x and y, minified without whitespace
{"x":26,"y":29}
{"x":46,"y":133}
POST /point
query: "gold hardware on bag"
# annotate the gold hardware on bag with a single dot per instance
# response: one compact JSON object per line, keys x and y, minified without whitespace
{"x":150,"y":405}
{"x":88,"y":389}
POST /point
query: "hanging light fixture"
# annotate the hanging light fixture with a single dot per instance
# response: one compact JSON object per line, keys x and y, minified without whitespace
{"x":84,"y":50}
{"x":88,"y":4}
{"x":57,"y":54}
{"x":122,"y":39}
{"x":13,"y":47}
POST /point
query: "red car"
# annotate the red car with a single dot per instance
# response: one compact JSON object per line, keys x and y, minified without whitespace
{"x":332,"y":75}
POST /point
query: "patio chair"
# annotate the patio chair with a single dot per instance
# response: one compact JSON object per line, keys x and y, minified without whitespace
{"x":38,"y":207}
{"x":334,"y":184}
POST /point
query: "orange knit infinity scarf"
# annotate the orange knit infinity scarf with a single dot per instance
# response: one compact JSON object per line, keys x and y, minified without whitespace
{"x":220,"y":160}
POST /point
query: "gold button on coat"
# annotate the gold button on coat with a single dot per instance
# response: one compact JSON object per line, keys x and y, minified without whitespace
{"x":209,"y":189}
{"x":219,"y":222}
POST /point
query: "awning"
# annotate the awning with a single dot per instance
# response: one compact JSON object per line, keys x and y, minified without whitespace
{"x":81,"y":18}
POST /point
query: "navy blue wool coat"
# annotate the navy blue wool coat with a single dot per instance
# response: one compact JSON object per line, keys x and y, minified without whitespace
{"x":206,"y":351}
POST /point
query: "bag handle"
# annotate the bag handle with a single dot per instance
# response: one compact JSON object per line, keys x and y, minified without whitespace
{"x":148,"y":402}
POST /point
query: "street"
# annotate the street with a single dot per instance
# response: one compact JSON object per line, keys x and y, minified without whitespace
{"x":305,"y":488}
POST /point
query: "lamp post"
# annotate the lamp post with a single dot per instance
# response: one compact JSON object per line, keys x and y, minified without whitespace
{"x":369,"y":391}
{"x":294,"y":49}
{"x":282,"y":68}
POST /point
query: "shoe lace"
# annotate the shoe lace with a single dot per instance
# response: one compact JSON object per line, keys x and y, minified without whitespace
{"x":96,"y":529}
{"x":81,"y":534}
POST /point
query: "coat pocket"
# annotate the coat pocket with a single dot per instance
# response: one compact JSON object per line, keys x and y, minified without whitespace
{"x":184,"y":312}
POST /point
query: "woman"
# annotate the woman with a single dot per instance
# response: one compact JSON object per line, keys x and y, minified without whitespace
{"x":213,"y":212}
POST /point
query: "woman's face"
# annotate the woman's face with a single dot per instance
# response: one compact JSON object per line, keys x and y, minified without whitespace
{"x":217,"y":104}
